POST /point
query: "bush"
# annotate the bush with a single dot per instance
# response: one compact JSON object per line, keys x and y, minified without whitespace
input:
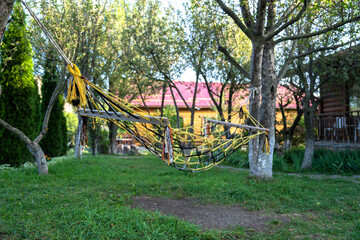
{"x":341,"y":162}
{"x":324,"y":161}
{"x":19,"y":102}
{"x":239,"y":158}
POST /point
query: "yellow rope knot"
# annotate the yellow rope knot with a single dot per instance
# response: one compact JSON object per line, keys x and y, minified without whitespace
{"x":77,"y":88}
{"x":244,"y":113}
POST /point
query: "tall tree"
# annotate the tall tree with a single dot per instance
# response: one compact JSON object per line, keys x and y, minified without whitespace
{"x":152,"y":50}
{"x":222,"y":78}
{"x":266,"y":23}
{"x":19,"y":103}
{"x":88,"y":33}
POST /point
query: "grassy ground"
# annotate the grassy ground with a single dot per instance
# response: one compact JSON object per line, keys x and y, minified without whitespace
{"x":89,"y":199}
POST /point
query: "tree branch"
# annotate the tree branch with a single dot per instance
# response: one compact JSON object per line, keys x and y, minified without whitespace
{"x":271,"y":34}
{"x":285,"y":15}
{"x":233,"y":61}
{"x":289,"y":60}
{"x":54,"y":96}
{"x":334,"y":47}
{"x":245,"y":10}
{"x":260,"y":17}
{"x":325,"y":30}
{"x":236,"y":19}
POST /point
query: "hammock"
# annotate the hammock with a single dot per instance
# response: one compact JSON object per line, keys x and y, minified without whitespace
{"x":180,"y":148}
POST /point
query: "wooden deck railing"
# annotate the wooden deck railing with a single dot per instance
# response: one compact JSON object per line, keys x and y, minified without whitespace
{"x":340,"y":127}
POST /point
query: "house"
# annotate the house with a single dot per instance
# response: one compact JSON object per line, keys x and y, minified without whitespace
{"x":204,"y":104}
{"x":338,"y":119}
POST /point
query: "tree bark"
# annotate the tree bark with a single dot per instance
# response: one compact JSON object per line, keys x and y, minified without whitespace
{"x":78,"y":146}
{"x":6,"y":7}
{"x":309,"y":114}
{"x":39,"y":156}
{"x":255,"y":72}
{"x":112,"y":135}
{"x":261,"y":167}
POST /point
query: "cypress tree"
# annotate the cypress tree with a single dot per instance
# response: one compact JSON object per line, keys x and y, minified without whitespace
{"x":53,"y":142}
{"x":19,"y":102}
{"x":65,"y":139}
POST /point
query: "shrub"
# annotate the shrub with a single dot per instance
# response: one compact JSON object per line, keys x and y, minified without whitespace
{"x":19,"y":102}
{"x":239,"y":158}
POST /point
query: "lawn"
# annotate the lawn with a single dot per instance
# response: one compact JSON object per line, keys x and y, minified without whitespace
{"x":90,"y":199}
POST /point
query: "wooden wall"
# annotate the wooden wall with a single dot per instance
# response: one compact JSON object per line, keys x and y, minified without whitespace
{"x":335,"y":98}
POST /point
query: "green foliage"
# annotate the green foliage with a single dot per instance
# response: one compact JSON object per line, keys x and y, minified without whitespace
{"x":64,"y":135}
{"x":239,"y":158}
{"x":170,"y":113}
{"x":91,"y":199}
{"x":54,"y":142}
{"x":71,"y":126}
{"x":98,"y":135}
{"x":19,"y":103}
{"x":324,"y":161}
{"x":339,"y":162}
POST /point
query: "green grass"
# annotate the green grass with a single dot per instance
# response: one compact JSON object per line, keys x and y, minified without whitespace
{"x":89,"y":199}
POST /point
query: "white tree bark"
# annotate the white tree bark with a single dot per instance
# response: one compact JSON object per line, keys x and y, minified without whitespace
{"x":309,"y":136}
{"x":260,"y":161}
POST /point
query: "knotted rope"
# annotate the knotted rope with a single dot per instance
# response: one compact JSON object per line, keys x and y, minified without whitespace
{"x":76,"y":95}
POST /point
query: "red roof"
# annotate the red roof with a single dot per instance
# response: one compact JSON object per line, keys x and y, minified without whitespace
{"x":203,"y":99}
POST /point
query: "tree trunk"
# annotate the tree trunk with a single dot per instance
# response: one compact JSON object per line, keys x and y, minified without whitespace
{"x":6,"y":7}
{"x":39,"y":156}
{"x":255,"y":72}
{"x":33,"y":146}
{"x":260,"y":161}
{"x":94,"y":141}
{"x":112,"y":136}
{"x":287,"y":144}
{"x":309,"y":114}
{"x":261,"y":167}
{"x":78,"y":146}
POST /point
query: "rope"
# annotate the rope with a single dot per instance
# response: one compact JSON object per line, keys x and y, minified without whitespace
{"x":176,"y":147}
{"x":43,"y":28}
{"x":252,"y":91}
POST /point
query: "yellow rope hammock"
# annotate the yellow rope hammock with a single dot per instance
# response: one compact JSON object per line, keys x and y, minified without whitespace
{"x":180,"y":148}
{"x":176,"y":147}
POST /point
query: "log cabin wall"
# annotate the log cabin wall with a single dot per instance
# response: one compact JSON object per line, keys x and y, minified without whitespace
{"x":335,"y":98}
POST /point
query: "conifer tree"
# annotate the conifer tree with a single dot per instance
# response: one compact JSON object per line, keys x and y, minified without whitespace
{"x":53,"y":142}
{"x":19,"y":102}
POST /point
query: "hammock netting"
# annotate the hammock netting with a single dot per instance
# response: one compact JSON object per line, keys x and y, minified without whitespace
{"x":180,"y":148}
{"x":177,"y":147}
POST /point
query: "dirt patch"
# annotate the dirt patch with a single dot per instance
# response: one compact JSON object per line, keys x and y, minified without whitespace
{"x":209,"y":216}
